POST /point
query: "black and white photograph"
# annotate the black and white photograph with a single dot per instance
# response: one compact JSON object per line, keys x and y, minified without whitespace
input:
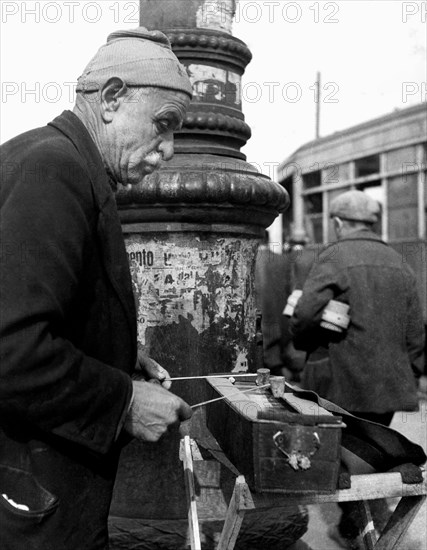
{"x":213,"y":275}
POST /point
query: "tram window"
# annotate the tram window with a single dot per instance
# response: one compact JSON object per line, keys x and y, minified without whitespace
{"x":367,"y":166}
{"x":312,"y":179}
{"x":403,"y":191}
{"x":314,"y":217}
{"x":314,"y":227}
{"x":313,"y":203}
{"x":402,"y":202}
{"x":337,"y":173}
{"x":402,"y":160}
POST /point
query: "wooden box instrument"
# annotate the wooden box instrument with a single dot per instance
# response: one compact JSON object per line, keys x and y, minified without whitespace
{"x":280,"y":445}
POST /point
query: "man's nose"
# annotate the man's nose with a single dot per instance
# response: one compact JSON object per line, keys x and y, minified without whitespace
{"x":166,"y":146}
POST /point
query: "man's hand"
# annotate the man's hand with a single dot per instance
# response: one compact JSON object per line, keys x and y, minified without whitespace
{"x":153,"y":410}
{"x":152,"y":371}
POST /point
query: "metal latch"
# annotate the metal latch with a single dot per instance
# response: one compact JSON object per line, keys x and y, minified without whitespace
{"x":298,"y":446}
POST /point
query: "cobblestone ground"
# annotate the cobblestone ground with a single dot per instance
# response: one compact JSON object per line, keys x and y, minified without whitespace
{"x":413,"y":426}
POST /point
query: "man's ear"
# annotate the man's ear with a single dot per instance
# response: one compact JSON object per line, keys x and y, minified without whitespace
{"x":337,"y":225}
{"x":112,"y":94}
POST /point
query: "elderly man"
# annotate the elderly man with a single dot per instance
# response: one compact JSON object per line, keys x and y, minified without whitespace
{"x":371,"y":369}
{"x":68,"y":323}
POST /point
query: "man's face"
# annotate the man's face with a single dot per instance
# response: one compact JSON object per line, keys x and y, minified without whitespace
{"x":140,"y":134}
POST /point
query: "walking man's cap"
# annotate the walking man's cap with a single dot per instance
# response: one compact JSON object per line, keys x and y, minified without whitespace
{"x":355,"y":206}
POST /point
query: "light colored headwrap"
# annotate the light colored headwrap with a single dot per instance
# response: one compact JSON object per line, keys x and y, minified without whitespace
{"x":140,"y":58}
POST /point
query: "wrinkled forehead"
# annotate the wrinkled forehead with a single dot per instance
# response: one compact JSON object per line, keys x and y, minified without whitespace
{"x":161,"y":99}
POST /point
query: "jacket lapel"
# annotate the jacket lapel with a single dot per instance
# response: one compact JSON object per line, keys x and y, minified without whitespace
{"x":109,"y":229}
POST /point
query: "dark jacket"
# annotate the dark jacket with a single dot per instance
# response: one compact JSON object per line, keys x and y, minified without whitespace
{"x":68,"y":337}
{"x":272,"y":288}
{"x":374,"y":365}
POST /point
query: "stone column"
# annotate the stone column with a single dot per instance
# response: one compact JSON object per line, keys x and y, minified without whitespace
{"x":192,"y":231}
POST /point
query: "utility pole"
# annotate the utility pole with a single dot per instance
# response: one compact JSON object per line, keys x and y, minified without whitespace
{"x":318,"y":102}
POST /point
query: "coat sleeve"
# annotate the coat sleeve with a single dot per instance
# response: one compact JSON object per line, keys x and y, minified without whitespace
{"x":325,"y":282}
{"x":415,"y":332}
{"x":47,"y":230}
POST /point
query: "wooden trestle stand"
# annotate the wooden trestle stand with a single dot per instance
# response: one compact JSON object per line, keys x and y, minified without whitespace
{"x":363,"y":489}
{"x":242,"y":440}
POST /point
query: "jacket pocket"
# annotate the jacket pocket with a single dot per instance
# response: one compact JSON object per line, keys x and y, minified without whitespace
{"x":21,"y":528}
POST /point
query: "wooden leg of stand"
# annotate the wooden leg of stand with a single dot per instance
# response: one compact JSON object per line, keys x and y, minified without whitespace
{"x":399,"y":522}
{"x":369,"y":535}
{"x":193,"y":521}
{"x":235,"y":513}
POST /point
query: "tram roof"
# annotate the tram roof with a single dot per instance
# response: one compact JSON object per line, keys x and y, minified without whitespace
{"x":401,"y":128}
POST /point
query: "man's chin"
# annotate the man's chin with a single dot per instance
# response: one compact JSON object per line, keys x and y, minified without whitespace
{"x":134,"y":177}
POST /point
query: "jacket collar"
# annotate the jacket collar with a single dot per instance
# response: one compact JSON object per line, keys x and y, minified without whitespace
{"x":73,"y":128}
{"x":363,"y":235}
{"x":109,"y":228}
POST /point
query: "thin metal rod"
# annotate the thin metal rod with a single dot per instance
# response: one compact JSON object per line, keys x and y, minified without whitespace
{"x":231,"y":395}
{"x":228,"y":375}
{"x":318,"y":103}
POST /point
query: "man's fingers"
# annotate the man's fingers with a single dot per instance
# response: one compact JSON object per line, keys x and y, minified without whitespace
{"x":154,"y":410}
{"x":166,"y":383}
{"x":153,"y":371}
{"x":185,"y":411}
{"x":162,"y":374}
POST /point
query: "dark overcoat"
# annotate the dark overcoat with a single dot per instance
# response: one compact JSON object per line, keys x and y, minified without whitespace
{"x":68,"y":339}
{"x":373,"y":366}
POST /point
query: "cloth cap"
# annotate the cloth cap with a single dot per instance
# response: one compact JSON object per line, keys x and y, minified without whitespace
{"x":355,"y":206}
{"x":140,"y":58}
